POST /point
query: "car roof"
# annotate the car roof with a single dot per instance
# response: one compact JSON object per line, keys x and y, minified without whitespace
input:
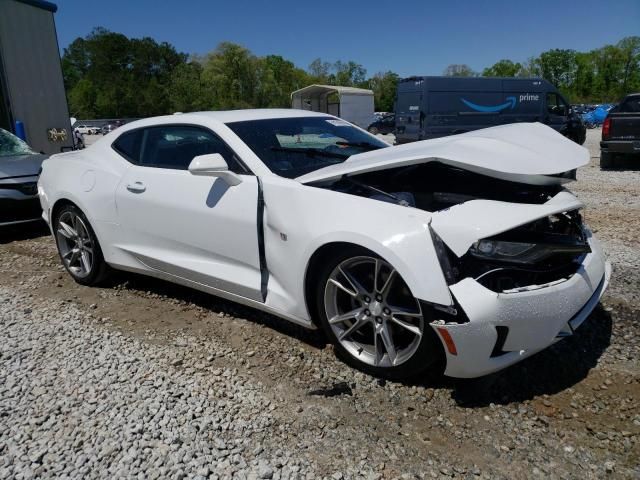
{"x":231,"y":116}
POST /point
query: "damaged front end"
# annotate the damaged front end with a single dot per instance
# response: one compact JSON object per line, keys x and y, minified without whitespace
{"x":517,"y":288}
{"x":544,"y":251}
{"x":522,"y":268}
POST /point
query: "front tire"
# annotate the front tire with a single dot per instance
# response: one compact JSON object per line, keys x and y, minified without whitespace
{"x":374,"y":322}
{"x":78,"y":246}
{"x":374,"y":130}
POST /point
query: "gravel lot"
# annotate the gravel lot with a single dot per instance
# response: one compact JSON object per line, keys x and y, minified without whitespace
{"x":150,"y":380}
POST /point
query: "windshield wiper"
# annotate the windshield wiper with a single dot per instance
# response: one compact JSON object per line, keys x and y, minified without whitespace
{"x":365,"y":145}
{"x":311,"y":152}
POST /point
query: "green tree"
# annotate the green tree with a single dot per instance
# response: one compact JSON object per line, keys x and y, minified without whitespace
{"x":187,"y":91}
{"x":384,"y":85}
{"x":459,"y":70}
{"x":529,"y":68}
{"x":230,"y":70}
{"x":630,"y":57}
{"x":83,"y":98}
{"x":110,"y":75}
{"x":277,"y":78}
{"x":503,"y":68}
{"x":319,"y":71}
{"x":349,"y":74}
{"x":559,"y":67}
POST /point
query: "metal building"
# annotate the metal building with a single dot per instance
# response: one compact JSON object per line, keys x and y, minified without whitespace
{"x":352,"y":104}
{"x":31,"y":82}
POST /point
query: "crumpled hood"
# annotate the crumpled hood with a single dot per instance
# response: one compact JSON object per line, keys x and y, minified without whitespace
{"x":520,"y":152}
{"x":20,"y":165}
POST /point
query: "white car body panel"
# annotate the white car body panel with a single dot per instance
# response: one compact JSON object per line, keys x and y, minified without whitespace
{"x":213,"y":227}
{"x":308,"y":218}
{"x":199,"y":232}
{"x":519,"y":152}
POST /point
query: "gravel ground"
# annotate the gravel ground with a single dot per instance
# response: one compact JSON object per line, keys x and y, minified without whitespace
{"x":149,"y":380}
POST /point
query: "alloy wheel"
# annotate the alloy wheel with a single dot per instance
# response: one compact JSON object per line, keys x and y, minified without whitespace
{"x":75,"y":244}
{"x":372,"y":313}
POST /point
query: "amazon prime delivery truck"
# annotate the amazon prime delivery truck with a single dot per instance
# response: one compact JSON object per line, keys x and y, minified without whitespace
{"x":431,"y":107}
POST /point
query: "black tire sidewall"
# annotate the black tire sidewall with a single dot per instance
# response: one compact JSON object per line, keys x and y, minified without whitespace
{"x":99,"y":267}
{"x":606,"y":160}
{"x":429,"y":352}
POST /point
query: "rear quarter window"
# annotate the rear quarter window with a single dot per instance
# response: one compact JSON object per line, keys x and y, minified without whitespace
{"x":128,"y":145}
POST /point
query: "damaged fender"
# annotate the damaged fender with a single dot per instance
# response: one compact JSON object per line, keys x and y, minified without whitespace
{"x":398,"y":234}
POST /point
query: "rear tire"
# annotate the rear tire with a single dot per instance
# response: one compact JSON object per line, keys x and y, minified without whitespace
{"x":606,"y":160}
{"x":78,"y":247}
{"x":389,"y":336}
{"x":374,"y":130}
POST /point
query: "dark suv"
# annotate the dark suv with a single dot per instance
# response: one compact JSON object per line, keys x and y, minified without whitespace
{"x":621,"y":131}
{"x":383,"y":125}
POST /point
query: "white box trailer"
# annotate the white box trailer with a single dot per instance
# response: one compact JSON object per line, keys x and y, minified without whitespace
{"x":352,"y":104}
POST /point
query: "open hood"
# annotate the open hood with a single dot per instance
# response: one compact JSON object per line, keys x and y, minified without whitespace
{"x":521,"y":152}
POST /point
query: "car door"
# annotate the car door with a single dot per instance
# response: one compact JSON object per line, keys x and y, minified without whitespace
{"x":193,"y":227}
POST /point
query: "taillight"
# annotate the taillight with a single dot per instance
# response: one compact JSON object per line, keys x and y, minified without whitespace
{"x":606,"y":128}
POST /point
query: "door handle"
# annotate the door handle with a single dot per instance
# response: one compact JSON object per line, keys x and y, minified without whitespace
{"x":137,"y":187}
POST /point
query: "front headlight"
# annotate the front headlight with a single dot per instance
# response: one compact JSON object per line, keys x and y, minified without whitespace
{"x":522,"y":252}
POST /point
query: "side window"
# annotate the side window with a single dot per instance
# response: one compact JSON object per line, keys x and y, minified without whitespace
{"x":556,"y":105}
{"x":128,"y":145}
{"x":175,"y":146}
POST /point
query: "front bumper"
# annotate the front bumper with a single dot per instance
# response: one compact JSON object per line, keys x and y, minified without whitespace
{"x":535,"y":318}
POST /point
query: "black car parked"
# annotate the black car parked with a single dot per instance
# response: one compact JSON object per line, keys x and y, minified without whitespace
{"x":621,"y":131}
{"x":384,"y":125}
{"x":19,"y":171}
{"x":431,"y":107}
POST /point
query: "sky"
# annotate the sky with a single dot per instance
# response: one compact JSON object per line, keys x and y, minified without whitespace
{"x":409,"y":37}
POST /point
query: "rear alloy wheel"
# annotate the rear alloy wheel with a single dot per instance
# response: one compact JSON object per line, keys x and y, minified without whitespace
{"x":373,"y":130}
{"x":78,"y":246}
{"x":375,"y":323}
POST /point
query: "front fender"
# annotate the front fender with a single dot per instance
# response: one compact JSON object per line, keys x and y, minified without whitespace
{"x":301,"y":219}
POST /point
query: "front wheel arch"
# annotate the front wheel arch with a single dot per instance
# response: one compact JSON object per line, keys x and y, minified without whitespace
{"x":432,"y":359}
{"x":314,"y":267}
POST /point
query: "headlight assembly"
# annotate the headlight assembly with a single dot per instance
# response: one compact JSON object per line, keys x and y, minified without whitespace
{"x":522,"y":252}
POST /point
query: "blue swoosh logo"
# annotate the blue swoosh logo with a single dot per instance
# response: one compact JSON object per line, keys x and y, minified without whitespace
{"x":511,"y":102}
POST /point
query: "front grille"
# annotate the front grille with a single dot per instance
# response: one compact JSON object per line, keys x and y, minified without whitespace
{"x":28,"y":188}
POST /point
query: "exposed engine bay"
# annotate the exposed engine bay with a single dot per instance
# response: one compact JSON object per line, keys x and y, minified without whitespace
{"x":435,"y":186}
{"x":530,"y":256}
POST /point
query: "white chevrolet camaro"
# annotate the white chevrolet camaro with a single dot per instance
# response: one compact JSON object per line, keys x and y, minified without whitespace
{"x":465,"y":249}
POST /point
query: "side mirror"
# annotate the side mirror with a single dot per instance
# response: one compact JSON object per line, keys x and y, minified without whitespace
{"x":214,"y":165}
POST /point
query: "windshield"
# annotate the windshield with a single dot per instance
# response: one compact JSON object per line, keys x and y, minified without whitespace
{"x":292,"y":147}
{"x":11,"y":145}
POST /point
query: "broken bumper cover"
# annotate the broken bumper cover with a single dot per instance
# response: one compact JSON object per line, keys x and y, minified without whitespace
{"x":534,"y":318}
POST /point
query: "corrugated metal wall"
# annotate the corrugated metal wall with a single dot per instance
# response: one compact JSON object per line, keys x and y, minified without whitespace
{"x":31,"y":64}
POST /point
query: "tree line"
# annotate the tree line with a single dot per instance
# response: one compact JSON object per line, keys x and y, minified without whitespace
{"x":108,"y":75}
{"x":604,"y":74}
